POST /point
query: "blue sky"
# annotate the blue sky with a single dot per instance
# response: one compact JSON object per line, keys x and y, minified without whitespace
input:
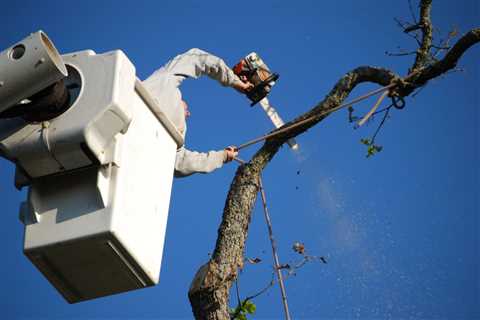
{"x":399,"y":230}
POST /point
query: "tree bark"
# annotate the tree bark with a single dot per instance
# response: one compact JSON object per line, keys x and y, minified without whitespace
{"x":209,"y":291}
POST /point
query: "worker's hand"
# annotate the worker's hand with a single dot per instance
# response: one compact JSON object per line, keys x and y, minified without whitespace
{"x":243,"y":86}
{"x":231,"y":152}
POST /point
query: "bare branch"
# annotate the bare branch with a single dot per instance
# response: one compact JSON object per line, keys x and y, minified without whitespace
{"x":412,"y":12}
{"x":426,"y":26}
{"x":413,"y":27}
{"x":400,"y":54}
{"x":263,"y":290}
{"x":447,"y":63}
{"x":404,"y":26}
{"x":400,"y":23}
{"x":440,"y":47}
{"x":445,"y":44}
{"x":385,"y":117}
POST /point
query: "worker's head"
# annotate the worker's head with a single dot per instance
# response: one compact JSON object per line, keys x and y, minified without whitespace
{"x":185,"y":108}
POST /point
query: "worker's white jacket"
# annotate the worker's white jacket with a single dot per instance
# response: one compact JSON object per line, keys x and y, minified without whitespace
{"x":164,"y":84}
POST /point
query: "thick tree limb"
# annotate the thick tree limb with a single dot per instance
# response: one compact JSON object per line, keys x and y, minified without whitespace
{"x":209,"y":292}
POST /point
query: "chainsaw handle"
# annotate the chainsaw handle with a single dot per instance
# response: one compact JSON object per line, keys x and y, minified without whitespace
{"x":255,"y":94}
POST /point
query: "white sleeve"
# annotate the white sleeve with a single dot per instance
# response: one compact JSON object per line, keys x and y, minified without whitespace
{"x":189,"y":162}
{"x":195,"y":63}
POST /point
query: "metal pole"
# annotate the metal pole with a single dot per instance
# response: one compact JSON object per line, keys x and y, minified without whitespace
{"x":315,"y":116}
{"x":274,"y":251}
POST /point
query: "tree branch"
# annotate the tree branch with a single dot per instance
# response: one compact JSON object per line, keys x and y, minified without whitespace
{"x":425,"y":25}
{"x":412,"y":12}
{"x":209,"y":292}
{"x":448,"y":62}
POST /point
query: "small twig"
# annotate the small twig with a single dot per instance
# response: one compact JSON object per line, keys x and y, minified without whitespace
{"x":351,"y":117}
{"x":412,"y":12}
{"x":238,"y":309}
{"x":444,"y":44}
{"x":415,"y":37}
{"x":420,"y":89}
{"x":400,"y":23}
{"x":306,"y":258}
{"x":399,"y":54}
{"x":413,"y":27}
{"x":403,"y":26}
{"x":268,"y":286}
{"x":452,"y":71}
{"x":238,"y":291}
{"x":292,"y":270}
{"x":381,"y":124}
{"x":440,"y":47}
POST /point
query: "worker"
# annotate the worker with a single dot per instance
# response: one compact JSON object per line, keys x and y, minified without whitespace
{"x":164,"y":85}
{"x":189,"y":162}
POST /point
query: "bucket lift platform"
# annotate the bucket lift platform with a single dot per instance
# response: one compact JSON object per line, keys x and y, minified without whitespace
{"x":99,"y":173}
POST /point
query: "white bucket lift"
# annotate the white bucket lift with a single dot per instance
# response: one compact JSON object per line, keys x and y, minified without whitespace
{"x":98,"y":168}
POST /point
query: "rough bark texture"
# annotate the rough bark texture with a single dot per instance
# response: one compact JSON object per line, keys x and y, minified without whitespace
{"x":210,"y":288}
{"x":209,"y":292}
{"x":425,"y":24}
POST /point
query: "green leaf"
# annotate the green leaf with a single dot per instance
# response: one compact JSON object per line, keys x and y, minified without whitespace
{"x":365,"y":141}
{"x":250,"y":307}
{"x":373,"y":149}
{"x":241,"y":316}
{"x":235,"y":311}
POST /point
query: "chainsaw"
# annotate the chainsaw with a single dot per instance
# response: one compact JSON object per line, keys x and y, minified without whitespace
{"x":254,"y":70}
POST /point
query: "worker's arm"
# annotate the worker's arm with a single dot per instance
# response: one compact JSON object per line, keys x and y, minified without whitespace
{"x":195,"y":63}
{"x":189,"y":162}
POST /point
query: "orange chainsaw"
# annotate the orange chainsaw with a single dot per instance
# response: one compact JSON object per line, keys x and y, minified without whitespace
{"x":254,"y":70}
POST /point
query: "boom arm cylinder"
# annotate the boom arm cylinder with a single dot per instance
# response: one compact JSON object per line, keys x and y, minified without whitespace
{"x":28,"y":67}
